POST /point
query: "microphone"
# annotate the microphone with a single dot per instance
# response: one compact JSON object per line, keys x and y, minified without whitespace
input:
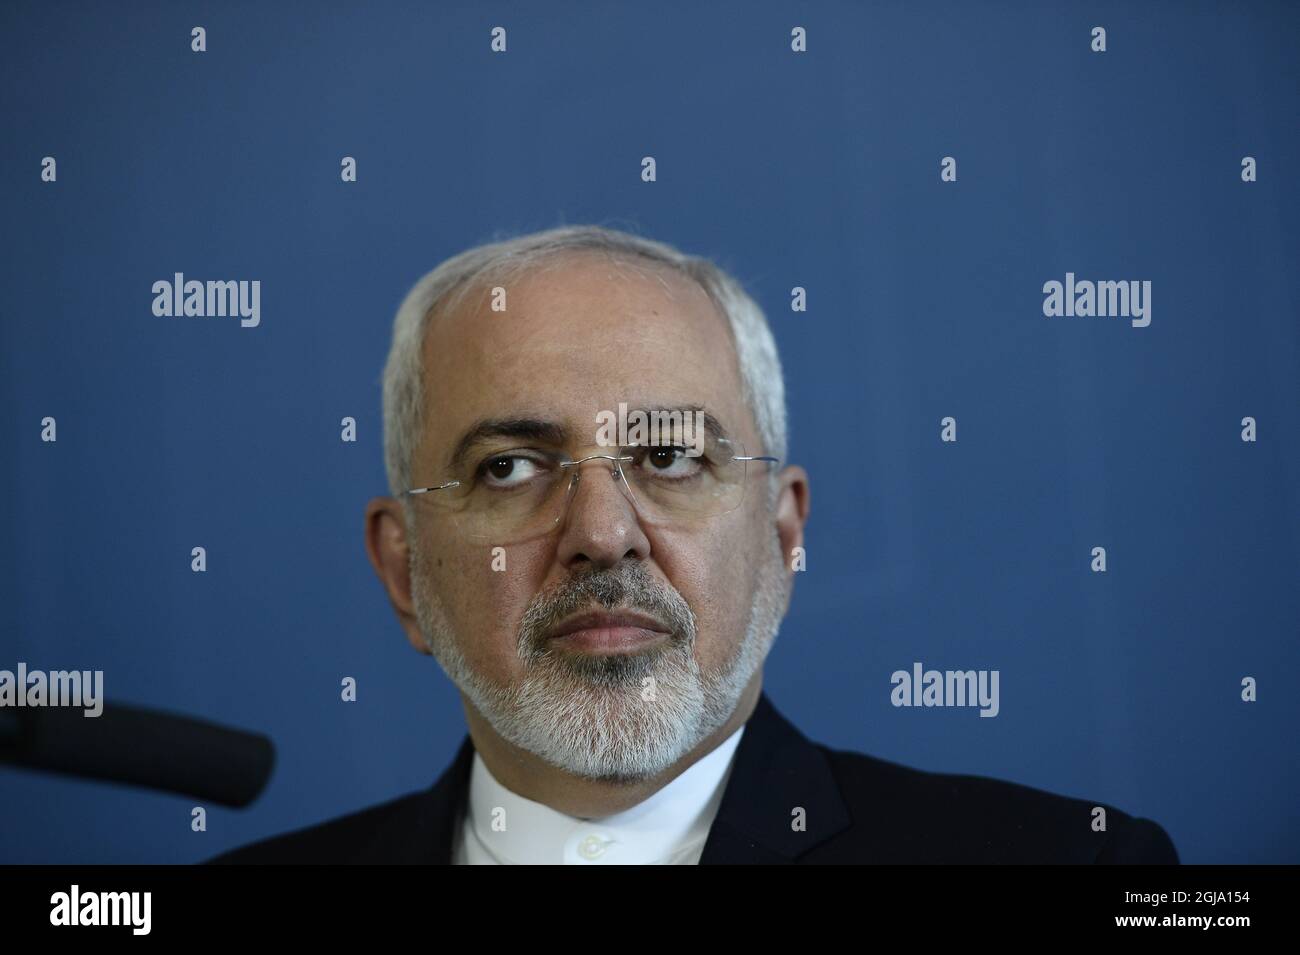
{"x":140,"y":747}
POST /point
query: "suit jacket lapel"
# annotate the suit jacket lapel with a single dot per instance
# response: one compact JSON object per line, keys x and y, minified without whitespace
{"x":776,"y":772}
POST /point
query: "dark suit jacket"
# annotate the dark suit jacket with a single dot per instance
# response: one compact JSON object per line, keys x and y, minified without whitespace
{"x":858,"y":809}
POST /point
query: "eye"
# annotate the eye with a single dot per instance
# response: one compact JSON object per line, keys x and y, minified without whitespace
{"x":506,"y":471}
{"x":668,"y":462}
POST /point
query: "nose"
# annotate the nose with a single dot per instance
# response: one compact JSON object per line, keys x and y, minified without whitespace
{"x":600,"y":525}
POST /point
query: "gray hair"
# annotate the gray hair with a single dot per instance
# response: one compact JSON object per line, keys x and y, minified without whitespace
{"x":446,"y":286}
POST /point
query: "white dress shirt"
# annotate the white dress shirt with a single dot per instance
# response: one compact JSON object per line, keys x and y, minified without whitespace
{"x":669,"y":828}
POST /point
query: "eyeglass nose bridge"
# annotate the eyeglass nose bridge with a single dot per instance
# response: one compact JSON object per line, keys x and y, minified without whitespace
{"x":616,"y":472}
{"x":616,"y":458}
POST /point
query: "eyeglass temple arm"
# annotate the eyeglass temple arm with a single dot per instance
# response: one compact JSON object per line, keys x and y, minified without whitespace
{"x":563,"y":464}
{"x":422,"y":490}
{"x":758,"y":457}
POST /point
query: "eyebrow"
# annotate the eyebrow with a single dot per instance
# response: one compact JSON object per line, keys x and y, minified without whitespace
{"x":534,"y":429}
{"x":552,"y":432}
{"x":711,"y":424}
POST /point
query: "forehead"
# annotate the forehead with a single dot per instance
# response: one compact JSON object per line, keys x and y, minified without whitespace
{"x":578,"y":336}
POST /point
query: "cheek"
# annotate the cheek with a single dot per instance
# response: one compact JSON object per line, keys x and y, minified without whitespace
{"x":486,"y":594}
{"x":713,"y":571}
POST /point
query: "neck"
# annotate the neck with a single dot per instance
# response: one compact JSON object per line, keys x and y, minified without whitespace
{"x":529,"y":776}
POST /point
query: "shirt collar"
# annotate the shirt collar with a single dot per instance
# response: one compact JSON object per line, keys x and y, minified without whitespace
{"x":670,"y":825}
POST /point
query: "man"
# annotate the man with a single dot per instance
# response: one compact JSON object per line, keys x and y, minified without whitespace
{"x":604,"y":597}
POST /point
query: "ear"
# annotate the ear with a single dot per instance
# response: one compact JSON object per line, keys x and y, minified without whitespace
{"x":389,"y":551}
{"x":792,"y":503}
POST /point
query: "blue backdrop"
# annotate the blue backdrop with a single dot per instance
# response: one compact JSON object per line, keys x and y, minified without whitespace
{"x":817,"y":169}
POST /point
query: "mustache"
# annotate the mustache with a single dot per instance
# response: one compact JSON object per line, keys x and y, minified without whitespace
{"x":625,"y":586}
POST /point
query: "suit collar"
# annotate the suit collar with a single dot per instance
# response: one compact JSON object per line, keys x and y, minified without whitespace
{"x":447,"y":802}
{"x":775,"y":772}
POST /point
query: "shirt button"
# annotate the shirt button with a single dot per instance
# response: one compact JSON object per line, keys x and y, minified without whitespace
{"x":592,"y":847}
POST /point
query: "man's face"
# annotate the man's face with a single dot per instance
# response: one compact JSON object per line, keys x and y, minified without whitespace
{"x":580,"y":336}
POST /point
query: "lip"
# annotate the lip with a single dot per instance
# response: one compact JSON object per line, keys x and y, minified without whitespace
{"x":608,"y":631}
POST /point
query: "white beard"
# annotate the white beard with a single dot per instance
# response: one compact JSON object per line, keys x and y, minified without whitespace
{"x":624,"y":717}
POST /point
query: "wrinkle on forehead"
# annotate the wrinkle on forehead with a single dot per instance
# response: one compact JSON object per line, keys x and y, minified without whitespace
{"x":645,"y":289}
{"x":472,"y":299}
{"x":467,"y":344}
